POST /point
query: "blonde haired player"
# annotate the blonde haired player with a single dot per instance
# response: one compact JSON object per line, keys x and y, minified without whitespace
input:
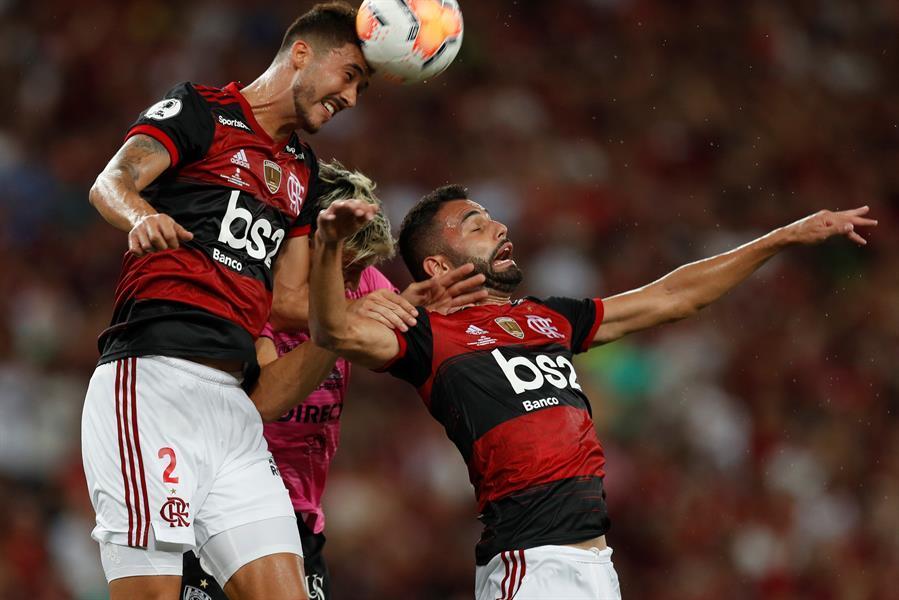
{"x":303,"y":432}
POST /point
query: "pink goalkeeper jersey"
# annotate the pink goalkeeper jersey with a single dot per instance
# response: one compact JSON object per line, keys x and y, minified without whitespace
{"x":304,"y":440}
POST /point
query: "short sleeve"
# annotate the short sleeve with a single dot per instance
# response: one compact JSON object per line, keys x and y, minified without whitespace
{"x":585,"y":317}
{"x":268,"y":331}
{"x":305,"y":222}
{"x":413,"y":360}
{"x":376,"y":280}
{"x":181,"y":122}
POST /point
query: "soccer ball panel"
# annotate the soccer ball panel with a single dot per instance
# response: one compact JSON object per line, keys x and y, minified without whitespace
{"x":410,"y":40}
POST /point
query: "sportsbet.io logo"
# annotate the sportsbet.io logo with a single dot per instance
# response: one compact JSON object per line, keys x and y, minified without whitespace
{"x":164,"y":109}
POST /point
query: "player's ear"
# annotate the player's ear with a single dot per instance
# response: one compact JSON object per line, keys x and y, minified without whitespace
{"x":301,"y":54}
{"x":436,"y":265}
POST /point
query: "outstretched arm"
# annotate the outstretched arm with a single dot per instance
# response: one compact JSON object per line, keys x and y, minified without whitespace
{"x":116,"y":196}
{"x":686,"y":290}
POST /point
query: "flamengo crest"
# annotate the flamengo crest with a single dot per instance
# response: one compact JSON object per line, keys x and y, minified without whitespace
{"x":544,"y":326}
{"x":175,"y":511}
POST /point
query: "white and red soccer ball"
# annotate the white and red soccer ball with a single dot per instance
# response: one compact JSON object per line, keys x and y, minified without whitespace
{"x":409,"y":40}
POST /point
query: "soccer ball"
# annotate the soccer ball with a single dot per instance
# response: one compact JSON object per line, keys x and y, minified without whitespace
{"x":409,"y":40}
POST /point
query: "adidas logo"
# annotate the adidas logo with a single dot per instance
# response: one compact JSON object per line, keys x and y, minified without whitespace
{"x":240,"y":158}
{"x":472,"y":330}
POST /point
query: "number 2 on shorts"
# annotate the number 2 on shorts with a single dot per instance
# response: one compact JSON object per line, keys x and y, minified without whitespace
{"x":167,"y":476}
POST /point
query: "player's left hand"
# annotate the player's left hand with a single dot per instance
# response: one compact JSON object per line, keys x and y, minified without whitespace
{"x":825,"y":223}
{"x":386,"y":307}
{"x":343,"y":218}
{"x":447,"y":292}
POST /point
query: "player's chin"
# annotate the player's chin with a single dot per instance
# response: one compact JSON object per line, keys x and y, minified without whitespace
{"x":311,"y":127}
{"x":506,"y":281}
{"x":315,"y":119}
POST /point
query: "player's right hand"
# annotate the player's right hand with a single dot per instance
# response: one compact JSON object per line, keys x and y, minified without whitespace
{"x":156,"y":232}
{"x":343,"y":218}
{"x":825,"y":223}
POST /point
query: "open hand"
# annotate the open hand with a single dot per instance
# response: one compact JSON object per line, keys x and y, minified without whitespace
{"x":343,"y":218}
{"x":447,"y":292}
{"x":386,"y":307}
{"x":825,"y":223}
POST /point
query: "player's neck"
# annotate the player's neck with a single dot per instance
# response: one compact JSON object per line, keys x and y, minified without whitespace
{"x":494,"y":297}
{"x":272,"y":103}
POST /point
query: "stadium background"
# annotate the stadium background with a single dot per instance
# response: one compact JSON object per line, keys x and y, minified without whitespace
{"x":753,"y":452}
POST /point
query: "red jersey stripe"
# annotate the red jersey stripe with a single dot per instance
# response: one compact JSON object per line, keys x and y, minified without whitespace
{"x":535,"y":448}
{"x":160,"y":136}
{"x":600,"y":311}
{"x":300,"y":231}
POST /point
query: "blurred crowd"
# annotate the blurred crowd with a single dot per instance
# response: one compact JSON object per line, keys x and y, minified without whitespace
{"x":753,"y":451}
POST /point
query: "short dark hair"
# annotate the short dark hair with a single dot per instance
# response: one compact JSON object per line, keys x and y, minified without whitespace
{"x":327,"y":25}
{"x":419,"y":237}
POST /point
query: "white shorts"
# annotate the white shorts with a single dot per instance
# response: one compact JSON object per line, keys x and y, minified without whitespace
{"x":549,"y":573}
{"x":175,"y":446}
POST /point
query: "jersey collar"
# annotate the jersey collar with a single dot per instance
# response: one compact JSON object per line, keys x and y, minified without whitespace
{"x":234,"y":88}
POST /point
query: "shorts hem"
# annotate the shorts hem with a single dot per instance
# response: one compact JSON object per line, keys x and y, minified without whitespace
{"x":259,"y":553}
{"x":239,"y":521}
{"x":143,"y":572}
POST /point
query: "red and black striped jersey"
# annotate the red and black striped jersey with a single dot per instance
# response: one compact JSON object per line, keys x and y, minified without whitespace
{"x":242,"y":195}
{"x":500,"y":380}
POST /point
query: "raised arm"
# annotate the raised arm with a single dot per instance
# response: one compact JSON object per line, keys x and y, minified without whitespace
{"x":290,"y":303}
{"x":686,"y":290}
{"x":116,"y":196}
{"x":361,"y":340}
{"x":290,"y":296}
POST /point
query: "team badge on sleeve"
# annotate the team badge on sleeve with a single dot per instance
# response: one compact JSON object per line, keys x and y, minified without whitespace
{"x":164,"y":109}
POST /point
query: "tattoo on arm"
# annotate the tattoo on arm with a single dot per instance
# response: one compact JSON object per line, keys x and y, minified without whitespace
{"x":136,"y":153}
{"x":116,"y":193}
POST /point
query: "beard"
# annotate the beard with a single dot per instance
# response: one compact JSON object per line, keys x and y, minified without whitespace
{"x":505,"y":282}
{"x":303,"y":93}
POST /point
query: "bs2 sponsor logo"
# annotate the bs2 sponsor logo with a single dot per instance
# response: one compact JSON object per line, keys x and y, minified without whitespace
{"x":538,"y":372}
{"x":255,"y":237}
